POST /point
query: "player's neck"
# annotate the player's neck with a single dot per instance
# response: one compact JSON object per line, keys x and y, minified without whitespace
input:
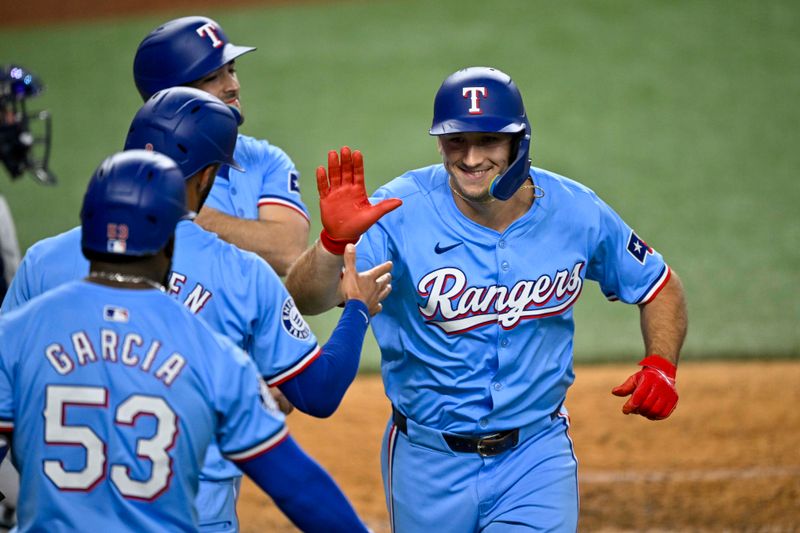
{"x":495,"y":214}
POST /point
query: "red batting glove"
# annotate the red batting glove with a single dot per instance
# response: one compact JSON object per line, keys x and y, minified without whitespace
{"x":653,"y":389}
{"x":343,"y":204}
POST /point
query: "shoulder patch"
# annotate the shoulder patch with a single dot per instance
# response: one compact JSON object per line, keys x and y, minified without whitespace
{"x":294,"y":181}
{"x":638,"y":248}
{"x":292,"y":321}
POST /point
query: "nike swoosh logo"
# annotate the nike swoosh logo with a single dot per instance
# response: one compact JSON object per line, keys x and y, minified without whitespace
{"x":366,"y":318}
{"x":442,"y":249}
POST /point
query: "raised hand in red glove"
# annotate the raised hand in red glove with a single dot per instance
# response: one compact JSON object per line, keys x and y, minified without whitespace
{"x":652,"y":389}
{"x":343,"y":204}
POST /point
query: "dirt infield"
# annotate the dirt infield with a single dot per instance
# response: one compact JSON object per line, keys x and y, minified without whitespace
{"x":727,"y":459}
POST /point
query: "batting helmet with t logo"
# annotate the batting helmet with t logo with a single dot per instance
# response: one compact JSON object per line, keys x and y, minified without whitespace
{"x":182,"y":51}
{"x":483,"y":99}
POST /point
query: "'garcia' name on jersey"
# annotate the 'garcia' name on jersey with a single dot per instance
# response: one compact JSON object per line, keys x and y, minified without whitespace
{"x":456,"y":308}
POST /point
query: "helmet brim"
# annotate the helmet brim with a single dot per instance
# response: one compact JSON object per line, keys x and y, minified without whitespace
{"x":484,"y":125}
{"x":233,"y":51}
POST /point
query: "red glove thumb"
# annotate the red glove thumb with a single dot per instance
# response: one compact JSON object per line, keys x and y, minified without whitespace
{"x":626,"y":388}
{"x":652,"y":389}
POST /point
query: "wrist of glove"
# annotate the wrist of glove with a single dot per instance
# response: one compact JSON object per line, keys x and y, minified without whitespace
{"x":335,"y":246}
{"x":652,"y":389}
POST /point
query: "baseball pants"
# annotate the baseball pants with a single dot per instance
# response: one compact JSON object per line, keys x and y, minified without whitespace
{"x":531,"y":487}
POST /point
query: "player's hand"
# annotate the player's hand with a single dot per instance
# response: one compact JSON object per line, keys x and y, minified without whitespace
{"x":283,"y":402}
{"x":652,"y":389}
{"x":371,"y":286}
{"x":343,"y":203}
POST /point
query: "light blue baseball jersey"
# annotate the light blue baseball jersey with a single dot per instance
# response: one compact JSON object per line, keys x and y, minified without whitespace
{"x":113,"y":396}
{"x":269,"y":178}
{"x":236,"y":292}
{"x":477,"y":334}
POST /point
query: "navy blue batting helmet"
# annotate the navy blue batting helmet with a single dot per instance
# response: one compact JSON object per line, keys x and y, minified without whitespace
{"x":191,"y":126}
{"x":132,"y":205}
{"x":483,"y":99}
{"x":182,"y":51}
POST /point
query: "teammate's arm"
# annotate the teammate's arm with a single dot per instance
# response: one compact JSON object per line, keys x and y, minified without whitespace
{"x":320,"y":387}
{"x":279,"y":235}
{"x":302,"y":490}
{"x":663,"y":322}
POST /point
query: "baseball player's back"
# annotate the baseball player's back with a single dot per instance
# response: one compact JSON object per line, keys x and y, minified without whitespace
{"x":112,"y":408}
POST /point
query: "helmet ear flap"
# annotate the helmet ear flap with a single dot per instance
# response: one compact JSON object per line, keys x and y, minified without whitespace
{"x":505,"y":185}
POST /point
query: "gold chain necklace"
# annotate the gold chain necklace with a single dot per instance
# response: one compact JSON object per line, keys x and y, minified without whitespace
{"x":491,"y":198}
{"x":123,"y":278}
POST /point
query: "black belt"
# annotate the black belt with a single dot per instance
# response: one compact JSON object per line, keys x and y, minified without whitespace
{"x":484,"y":445}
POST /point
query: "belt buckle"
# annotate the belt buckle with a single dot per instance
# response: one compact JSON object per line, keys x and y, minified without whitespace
{"x":486,"y":449}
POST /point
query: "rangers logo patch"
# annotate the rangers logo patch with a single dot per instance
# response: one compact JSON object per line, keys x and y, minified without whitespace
{"x":638,"y":248}
{"x":293,"y":322}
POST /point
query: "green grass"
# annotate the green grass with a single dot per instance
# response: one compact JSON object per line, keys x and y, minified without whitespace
{"x":682,"y":115}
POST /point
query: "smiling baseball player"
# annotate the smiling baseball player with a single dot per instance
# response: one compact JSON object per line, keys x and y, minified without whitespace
{"x":490,"y":256}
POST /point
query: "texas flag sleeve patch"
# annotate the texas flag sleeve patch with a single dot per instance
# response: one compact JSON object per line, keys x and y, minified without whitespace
{"x":638,"y":248}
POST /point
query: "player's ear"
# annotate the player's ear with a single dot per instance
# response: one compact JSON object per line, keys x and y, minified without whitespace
{"x":439,"y":145}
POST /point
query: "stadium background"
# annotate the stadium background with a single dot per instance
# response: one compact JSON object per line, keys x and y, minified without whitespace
{"x":682,"y":115}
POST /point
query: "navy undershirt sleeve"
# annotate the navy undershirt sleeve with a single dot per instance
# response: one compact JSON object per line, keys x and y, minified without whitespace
{"x":302,"y":490}
{"x":319,"y":388}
